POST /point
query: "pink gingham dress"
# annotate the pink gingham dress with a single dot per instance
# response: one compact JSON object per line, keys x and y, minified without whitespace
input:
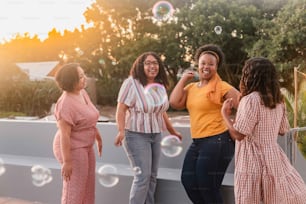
{"x":263,"y":172}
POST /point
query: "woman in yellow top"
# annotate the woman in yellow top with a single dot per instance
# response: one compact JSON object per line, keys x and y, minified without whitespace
{"x":212,"y":148}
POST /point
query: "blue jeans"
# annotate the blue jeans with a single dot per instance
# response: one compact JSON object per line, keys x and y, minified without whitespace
{"x":143,"y":151}
{"x":204,"y":167}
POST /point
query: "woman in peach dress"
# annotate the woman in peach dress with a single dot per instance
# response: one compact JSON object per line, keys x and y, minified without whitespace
{"x":263,"y":172}
{"x":73,"y":143}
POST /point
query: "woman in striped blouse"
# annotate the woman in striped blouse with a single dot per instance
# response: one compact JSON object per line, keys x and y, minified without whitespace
{"x":141,"y":117}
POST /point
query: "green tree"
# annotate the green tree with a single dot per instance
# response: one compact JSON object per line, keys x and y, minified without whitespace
{"x":283,"y":40}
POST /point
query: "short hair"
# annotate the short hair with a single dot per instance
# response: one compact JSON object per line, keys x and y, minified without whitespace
{"x":137,"y":70}
{"x":260,"y":75}
{"x":212,"y":49}
{"x":67,"y":77}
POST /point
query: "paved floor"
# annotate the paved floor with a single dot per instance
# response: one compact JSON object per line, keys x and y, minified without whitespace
{"x":7,"y":200}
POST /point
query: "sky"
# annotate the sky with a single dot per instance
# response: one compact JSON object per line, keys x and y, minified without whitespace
{"x":40,"y":16}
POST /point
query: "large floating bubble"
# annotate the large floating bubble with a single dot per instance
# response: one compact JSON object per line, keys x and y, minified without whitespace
{"x":2,"y":167}
{"x":108,"y":176}
{"x":155,"y":94}
{"x":171,"y":146}
{"x":162,"y":10}
{"x":40,"y":175}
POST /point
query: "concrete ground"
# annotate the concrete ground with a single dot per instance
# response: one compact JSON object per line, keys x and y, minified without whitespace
{"x":7,"y":200}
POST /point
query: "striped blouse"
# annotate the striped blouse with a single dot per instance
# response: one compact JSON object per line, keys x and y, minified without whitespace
{"x":146,"y":106}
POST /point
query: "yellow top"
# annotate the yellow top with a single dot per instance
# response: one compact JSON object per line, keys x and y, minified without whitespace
{"x":205,"y":115}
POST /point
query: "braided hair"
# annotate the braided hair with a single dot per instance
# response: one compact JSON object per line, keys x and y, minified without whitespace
{"x":259,"y":74}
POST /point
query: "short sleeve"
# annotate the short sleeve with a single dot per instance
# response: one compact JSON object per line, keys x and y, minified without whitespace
{"x":225,"y":87}
{"x":63,"y":111}
{"x":247,"y":115}
{"x":188,"y":86}
{"x":284,"y":126}
{"x":127,"y":93}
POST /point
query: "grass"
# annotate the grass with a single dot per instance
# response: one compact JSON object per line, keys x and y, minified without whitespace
{"x":11,"y":114}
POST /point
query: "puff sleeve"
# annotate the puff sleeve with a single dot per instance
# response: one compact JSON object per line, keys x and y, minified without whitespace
{"x":247,"y":115}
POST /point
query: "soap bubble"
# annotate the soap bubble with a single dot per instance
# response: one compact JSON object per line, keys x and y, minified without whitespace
{"x":218,"y":30}
{"x":234,"y":33}
{"x":181,"y":72}
{"x":108,"y":176}
{"x":40,"y":175}
{"x":101,"y":61}
{"x":137,"y":170}
{"x":79,"y":51}
{"x":171,"y":146}
{"x":162,"y":10}
{"x":2,"y":167}
{"x":155,"y":94}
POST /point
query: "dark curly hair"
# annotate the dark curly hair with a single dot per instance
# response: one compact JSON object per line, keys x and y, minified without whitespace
{"x":210,"y":48}
{"x":137,"y":70}
{"x":67,"y":77}
{"x":259,"y":74}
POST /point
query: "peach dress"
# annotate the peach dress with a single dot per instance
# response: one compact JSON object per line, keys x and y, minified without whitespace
{"x":83,"y":118}
{"x":263,"y":172}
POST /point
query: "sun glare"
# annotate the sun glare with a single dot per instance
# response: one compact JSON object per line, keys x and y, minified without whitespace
{"x":38,"y":17}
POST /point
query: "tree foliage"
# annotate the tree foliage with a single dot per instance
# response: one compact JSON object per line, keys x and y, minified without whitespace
{"x":123,"y":29}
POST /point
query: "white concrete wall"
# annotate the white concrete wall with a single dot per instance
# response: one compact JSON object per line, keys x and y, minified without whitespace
{"x":26,"y":143}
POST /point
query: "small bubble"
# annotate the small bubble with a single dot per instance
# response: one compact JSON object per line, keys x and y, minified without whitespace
{"x":108,"y":176}
{"x":2,"y":167}
{"x":101,"y":61}
{"x":171,"y":146}
{"x":234,"y":33}
{"x":218,"y":30}
{"x":137,"y":170}
{"x":40,"y":175}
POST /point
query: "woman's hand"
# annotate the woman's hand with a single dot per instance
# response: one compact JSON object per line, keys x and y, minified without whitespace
{"x":178,"y":135}
{"x":227,"y":108}
{"x":188,"y":75}
{"x":118,"y":140}
{"x":99,"y":143}
{"x":66,"y":171}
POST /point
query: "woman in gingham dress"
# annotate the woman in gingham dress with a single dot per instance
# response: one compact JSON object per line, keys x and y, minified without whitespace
{"x":263,"y":172}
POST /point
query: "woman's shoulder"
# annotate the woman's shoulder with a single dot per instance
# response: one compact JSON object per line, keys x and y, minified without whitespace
{"x":129,"y":80}
{"x":62,"y":103}
{"x":64,"y":100}
{"x":225,"y":84}
{"x":191,"y":85}
{"x":254,"y":96}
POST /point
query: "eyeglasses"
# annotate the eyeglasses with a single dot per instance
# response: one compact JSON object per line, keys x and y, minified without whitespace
{"x":148,"y":63}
